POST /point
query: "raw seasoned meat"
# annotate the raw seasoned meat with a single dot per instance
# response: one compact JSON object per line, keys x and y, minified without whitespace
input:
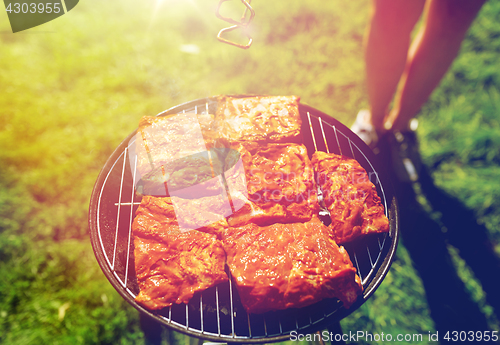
{"x":173,"y":263}
{"x":278,"y":185}
{"x":350,"y":196}
{"x":259,"y":119}
{"x":175,"y":152}
{"x":289,"y":266}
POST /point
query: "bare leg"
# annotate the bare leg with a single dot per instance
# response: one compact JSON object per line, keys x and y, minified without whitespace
{"x":386,"y":49}
{"x":431,"y":54}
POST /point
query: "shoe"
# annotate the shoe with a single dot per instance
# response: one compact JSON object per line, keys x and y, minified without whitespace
{"x":364,"y":129}
{"x":399,"y":151}
{"x":409,"y":155}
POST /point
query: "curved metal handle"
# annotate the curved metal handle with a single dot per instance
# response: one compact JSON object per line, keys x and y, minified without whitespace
{"x":242,"y":23}
{"x":231,"y":28}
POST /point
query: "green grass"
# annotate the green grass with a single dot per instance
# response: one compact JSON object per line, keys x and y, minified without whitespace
{"x":73,"y":88}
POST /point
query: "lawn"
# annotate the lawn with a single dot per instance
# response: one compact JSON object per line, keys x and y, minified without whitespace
{"x":74,"y":88}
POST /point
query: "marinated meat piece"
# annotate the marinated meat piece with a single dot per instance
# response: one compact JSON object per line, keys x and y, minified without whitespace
{"x":204,"y":214}
{"x":182,"y":215}
{"x":289,"y":265}
{"x":171,"y":262}
{"x":278,"y":185}
{"x":175,"y":152}
{"x":350,"y":196}
{"x":259,"y":119}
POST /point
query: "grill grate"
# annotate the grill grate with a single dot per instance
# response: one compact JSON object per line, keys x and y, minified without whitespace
{"x":217,"y":313}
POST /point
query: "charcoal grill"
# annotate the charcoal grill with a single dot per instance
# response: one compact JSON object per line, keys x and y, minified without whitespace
{"x":217,"y":314}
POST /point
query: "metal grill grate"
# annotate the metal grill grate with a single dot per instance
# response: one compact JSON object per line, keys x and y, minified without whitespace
{"x":217,"y":313}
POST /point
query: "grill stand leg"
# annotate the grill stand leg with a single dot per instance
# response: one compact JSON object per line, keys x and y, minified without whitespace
{"x":334,"y":329}
{"x":152,"y":330}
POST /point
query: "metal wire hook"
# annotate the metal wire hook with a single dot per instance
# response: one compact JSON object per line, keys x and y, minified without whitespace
{"x":231,"y":28}
{"x":236,"y":24}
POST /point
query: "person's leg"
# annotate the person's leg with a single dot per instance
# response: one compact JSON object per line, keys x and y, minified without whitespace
{"x":386,"y":47}
{"x":432,"y":52}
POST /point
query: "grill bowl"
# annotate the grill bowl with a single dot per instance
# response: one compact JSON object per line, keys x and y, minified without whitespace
{"x":217,"y":313}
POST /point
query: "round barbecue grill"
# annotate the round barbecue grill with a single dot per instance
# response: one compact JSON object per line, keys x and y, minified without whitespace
{"x":217,"y":314}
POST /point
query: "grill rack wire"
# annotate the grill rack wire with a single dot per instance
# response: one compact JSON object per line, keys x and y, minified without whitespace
{"x":217,"y":313}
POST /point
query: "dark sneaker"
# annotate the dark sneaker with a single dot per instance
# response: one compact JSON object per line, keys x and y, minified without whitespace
{"x":399,"y":152}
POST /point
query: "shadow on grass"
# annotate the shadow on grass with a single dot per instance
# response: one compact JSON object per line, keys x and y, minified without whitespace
{"x":468,"y":236}
{"x":451,"y":306}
